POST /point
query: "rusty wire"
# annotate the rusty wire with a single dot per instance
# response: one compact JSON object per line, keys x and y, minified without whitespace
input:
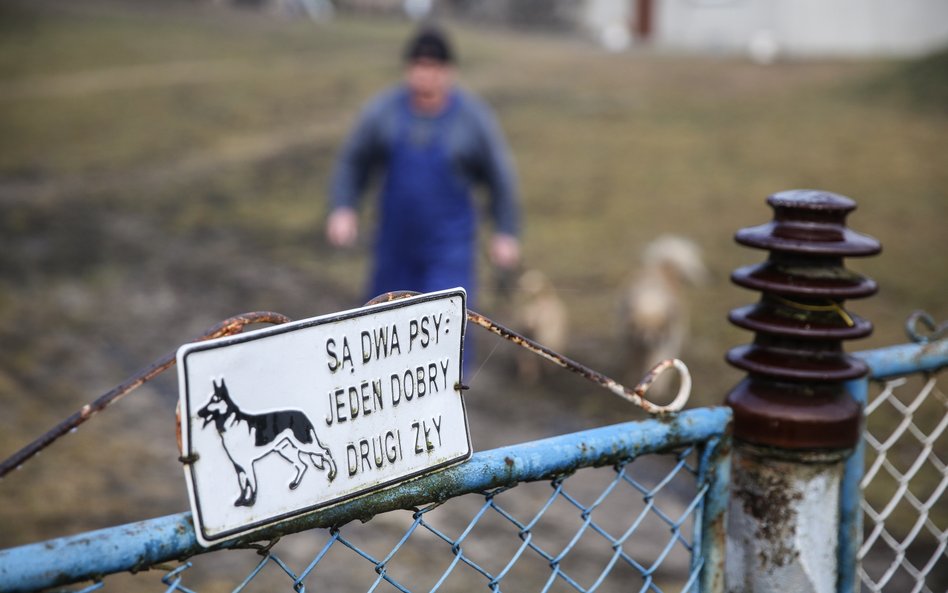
{"x":236,"y":324}
{"x":228,"y":327}
{"x":636,"y":395}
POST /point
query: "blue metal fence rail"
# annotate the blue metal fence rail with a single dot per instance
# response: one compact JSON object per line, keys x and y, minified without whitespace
{"x":137,"y":546}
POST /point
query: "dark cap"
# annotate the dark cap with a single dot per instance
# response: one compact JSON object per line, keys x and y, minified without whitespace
{"x":430,"y":43}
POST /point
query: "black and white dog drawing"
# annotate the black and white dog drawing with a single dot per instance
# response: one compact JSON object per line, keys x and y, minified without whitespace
{"x":248,"y":438}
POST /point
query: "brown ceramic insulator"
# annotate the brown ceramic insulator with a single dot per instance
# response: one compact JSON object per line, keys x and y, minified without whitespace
{"x":794,"y":396}
{"x":810,"y":222}
{"x":772,"y":316}
{"x":789,"y":416}
{"x":804,"y":276}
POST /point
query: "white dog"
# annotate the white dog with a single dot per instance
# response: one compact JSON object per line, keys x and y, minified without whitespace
{"x":539,"y":314}
{"x":652,"y":312}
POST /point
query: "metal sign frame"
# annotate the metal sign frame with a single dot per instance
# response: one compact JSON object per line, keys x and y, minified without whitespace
{"x":228,"y":434}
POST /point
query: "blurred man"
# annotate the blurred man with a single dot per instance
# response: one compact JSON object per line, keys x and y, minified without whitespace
{"x":431,"y":143}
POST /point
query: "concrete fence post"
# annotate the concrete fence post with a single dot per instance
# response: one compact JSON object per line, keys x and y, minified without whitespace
{"x":794,"y":422}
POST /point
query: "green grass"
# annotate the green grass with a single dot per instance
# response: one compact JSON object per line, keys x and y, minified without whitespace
{"x":161,"y":170}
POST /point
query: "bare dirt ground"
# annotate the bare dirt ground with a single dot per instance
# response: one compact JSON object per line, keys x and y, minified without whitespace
{"x":163,"y":170}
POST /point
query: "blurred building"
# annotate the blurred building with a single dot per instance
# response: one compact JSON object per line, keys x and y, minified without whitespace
{"x":764,"y":29}
{"x":803,"y":28}
{"x":767,"y":29}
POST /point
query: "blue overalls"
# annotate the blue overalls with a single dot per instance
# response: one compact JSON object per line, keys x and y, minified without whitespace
{"x":427,"y":222}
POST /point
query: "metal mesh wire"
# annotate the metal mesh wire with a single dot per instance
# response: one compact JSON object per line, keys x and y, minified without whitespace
{"x":629,"y":528}
{"x":905,"y":514}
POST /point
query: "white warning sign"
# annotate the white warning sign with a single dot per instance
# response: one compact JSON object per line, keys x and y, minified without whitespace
{"x":285,"y":420}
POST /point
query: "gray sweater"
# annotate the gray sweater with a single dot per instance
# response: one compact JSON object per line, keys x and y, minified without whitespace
{"x":475,"y":145}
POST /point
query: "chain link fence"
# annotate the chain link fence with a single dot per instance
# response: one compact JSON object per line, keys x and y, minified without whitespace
{"x":637,"y":506}
{"x":905,"y":512}
{"x":895,"y":517}
{"x":589,"y":532}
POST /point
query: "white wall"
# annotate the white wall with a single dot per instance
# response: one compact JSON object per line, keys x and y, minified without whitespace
{"x":804,"y":28}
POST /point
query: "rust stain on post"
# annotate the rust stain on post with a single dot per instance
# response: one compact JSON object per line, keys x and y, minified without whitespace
{"x":771,"y":502}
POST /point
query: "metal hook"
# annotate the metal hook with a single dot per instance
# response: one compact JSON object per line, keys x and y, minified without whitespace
{"x":932,"y":331}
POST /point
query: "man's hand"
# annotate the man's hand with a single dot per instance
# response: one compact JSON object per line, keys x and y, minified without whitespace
{"x":504,"y":251}
{"x":342,"y":227}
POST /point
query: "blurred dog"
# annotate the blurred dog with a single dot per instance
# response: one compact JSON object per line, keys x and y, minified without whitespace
{"x":653,"y":313}
{"x":539,"y":314}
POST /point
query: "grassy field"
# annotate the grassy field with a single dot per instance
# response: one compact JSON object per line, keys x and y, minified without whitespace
{"x":163,"y":170}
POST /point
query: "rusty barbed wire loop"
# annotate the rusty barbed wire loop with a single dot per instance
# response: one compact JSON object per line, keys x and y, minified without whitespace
{"x":929,"y":332}
{"x":684,"y":387}
{"x":228,"y":327}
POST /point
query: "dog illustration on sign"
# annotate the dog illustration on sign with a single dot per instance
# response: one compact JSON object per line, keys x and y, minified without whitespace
{"x":248,"y":438}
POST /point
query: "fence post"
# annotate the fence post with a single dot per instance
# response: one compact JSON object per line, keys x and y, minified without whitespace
{"x":794,"y":421}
